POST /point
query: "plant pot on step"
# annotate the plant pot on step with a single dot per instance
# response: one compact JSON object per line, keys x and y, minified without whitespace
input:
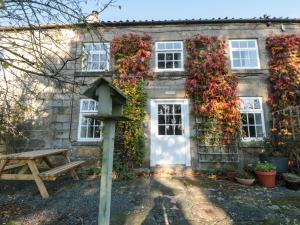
{"x":266,"y":174}
{"x":244,"y":177}
{"x":230,"y":175}
{"x":292,"y":181}
{"x":245,"y":181}
{"x":267,"y":179}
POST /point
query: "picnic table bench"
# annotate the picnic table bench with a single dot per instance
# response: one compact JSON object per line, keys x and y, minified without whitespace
{"x":29,"y":163}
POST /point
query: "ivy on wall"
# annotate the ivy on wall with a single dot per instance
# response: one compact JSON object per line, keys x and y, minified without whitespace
{"x":132,"y":54}
{"x":284,"y":66}
{"x":212,"y":88}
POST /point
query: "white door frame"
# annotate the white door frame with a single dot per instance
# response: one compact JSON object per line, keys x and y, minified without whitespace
{"x":153,"y":126}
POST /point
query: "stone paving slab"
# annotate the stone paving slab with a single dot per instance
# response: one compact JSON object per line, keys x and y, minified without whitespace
{"x":150,"y":201}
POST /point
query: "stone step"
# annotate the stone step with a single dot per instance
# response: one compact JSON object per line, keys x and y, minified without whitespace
{"x":172,"y":171}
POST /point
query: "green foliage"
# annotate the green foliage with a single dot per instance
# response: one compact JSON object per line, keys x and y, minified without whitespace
{"x":94,"y":171}
{"x":132,"y":54}
{"x":230,"y":168}
{"x":265,"y":167}
{"x":243,"y":175}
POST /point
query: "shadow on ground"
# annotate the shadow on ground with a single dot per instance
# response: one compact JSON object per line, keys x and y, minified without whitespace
{"x":148,"y":201}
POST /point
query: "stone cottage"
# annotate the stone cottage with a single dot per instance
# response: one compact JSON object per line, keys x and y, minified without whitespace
{"x":169,"y":124}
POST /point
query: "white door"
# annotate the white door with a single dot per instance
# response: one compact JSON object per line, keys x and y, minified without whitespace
{"x":169,"y":132}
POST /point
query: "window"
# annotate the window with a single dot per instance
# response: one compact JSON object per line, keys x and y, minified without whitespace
{"x":89,"y":129}
{"x":252,"y":118}
{"x":169,"y":119}
{"x":169,"y":55}
{"x":244,"y":54}
{"x":95,"y":56}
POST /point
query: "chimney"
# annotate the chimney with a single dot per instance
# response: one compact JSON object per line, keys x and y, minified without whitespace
{"x":93,"y":17}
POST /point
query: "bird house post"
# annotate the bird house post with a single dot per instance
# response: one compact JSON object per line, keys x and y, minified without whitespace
{"x":110,"y":110}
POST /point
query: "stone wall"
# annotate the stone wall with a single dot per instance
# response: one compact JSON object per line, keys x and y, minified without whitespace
{"x":59,"y":128}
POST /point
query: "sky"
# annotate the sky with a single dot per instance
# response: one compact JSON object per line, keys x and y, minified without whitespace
{"x":188,"y":9}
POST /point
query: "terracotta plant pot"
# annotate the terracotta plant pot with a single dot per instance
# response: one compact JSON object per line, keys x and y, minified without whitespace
{"x":245,"y":181}
{"x":267,"y":179}
{"x":230,"y":175}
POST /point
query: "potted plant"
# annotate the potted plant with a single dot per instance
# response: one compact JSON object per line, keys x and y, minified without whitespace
{"x":230,"y":172}
{"x":244,"y":178}
{"x":292,"y":181}
{"x":275,"y":154}
{"x":266,"y":173}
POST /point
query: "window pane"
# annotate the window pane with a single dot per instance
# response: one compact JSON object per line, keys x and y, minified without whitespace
{"x":86,"y":47}
{"x":161,"y":119}
{"x":252,"y":54}
{"x":244,"y":54}
{"x":161,"y":56}
{"x":95,"y":57}
{"x":251,"y":44}
{"x":256,"y":104}
{"x":169,"y":109}
{"x":161,"y":109}
{"x":259,"y":131}
{"x":161,"y":130}
{"x":169,"y":65}
{"x":169,"y":119}
{"x":258,"y":118}
{"x":103,"y":66}
{"x":243,"y":44}
{"x":177,"y":64}
{"x":90,"y":131}
{"x":236,"y":54}
{"x":92,"y":105}
{"x":235,"y":44}
{"x":97,"y":132}
{"x":244,"y":118}
{"x":253,"y":63}
{"x":236,"y":63}
{"x":252,"y":131}
{"x":170,"y":130}
{"x":251,"y":118}
{"x":95,"y":65}
{"x":160,"y":46}
{"x":161,"y":65}
{"x":169,"y":45}
{"x":177,"y":45}
{"x":169,"y":56}
{"x":177,"y":56}
{"x":85,"y":105}
{"x":103,"y":57}
{"x":177,"y":109}
{"x":178,"y":130}
{"x":177,"y":119}
{"x":245,"y":131}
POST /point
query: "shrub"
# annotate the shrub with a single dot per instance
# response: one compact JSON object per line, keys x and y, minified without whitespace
{"x":265,"y":167}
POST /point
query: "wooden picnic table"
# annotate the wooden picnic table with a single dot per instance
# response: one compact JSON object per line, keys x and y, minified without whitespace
{"x":25,"y":166}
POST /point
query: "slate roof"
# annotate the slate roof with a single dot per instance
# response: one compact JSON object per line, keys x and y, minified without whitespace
{"x":264,"y":19}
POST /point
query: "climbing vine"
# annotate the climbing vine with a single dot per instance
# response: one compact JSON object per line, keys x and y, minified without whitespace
{"x":131,"y":54}
{"x":284,"y":66}
{"x":212,"y":88}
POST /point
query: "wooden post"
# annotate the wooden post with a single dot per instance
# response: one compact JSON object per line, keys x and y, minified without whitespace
{"x":106,"y":173}
{"x":105,"y":99}
{"x":111,"y":102}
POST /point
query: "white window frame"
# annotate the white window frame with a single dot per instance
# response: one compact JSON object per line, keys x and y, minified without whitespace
{"x":261,"y":111}
{"x":238,"y":49}
{"x":107,"y":51}
{"x":170,"y":51}
{"x":83,"y":113}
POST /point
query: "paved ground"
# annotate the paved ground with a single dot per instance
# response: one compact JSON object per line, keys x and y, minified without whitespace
{"x":149,"y":201}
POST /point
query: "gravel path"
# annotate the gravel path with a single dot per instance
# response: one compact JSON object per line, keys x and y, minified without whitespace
{"x":149,"y":201}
